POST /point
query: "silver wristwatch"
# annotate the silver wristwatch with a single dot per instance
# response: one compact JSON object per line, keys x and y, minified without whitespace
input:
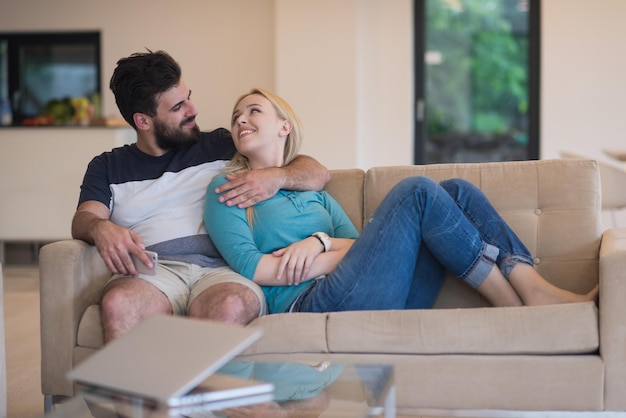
{"x":324,"y":239}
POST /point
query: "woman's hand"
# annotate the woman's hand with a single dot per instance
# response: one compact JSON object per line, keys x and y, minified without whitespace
{"x":300,"y":261}
{"x":296,"y":260}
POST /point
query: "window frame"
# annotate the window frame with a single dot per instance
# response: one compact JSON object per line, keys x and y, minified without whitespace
{"x":534,"y":82}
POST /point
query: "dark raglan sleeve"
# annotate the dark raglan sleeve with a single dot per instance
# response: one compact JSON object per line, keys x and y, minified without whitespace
{"x":95,"y":184}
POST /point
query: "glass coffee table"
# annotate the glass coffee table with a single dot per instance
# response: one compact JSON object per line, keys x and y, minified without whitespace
{"x":326,"y":389}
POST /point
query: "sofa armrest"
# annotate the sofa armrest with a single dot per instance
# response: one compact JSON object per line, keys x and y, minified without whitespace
{"x":72,"y":276}
{"x":612,"y":314}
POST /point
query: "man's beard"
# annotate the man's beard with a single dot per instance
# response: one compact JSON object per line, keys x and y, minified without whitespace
{"x":168,"y":138}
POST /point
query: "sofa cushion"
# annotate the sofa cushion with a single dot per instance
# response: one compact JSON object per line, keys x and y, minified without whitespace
{"x":551,"y":329}
{"x":291,"y":332}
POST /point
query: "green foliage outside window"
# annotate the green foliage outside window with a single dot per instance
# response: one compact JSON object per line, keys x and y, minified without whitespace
{"x":481,"y":83}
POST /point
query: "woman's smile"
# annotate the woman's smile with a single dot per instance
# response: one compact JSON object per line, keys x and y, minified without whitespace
{"x":246,"y":132}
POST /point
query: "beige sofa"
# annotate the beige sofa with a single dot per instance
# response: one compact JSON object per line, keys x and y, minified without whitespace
{"x":565,"y":357}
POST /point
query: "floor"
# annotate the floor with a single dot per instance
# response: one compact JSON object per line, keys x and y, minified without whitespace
{"x":21,"y":303}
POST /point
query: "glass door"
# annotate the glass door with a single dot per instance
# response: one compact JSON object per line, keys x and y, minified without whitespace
{"x":476,"y":80}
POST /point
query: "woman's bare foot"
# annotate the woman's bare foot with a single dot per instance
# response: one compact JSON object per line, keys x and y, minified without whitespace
{"x":546,"y":296}
{"x":535,"y":290}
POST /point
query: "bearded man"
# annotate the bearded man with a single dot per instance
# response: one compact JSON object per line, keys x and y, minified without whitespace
{"x":149,"y":196}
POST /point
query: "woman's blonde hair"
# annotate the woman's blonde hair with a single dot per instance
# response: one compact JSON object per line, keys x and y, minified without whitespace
{"x":239,"y":163}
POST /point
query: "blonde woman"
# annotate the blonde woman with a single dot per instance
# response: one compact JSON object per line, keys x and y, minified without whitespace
{"x":307,"y":256}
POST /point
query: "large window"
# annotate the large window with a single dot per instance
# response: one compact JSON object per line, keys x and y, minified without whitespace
{"x":477,"y":80}
{"x":41,"y":73}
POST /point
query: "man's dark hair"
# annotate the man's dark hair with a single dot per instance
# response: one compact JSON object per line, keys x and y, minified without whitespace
{"x":139,"y":79}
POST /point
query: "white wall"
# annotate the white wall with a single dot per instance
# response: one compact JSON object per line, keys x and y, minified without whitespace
{"x":40,"y":178}
{"x":583,"y":72}
{"x":346,"y":67}
{"x":583,"y":86}
{"x":386,"y":86}
{"x":316,"y":71}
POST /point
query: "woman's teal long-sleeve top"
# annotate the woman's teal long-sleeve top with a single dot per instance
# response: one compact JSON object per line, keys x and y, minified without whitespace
{"x":287,"y":217}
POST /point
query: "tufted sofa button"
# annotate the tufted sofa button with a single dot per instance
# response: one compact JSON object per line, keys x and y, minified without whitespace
{"x":537,"y":260}
{"x":538,"y":211}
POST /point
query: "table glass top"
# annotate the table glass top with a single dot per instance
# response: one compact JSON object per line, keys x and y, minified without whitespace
{"x":324,"y":389}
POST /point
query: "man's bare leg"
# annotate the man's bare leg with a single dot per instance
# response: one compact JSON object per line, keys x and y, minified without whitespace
{"x":128,"y":301}
{"x":535,"y":290}
{"x":232,"y":303}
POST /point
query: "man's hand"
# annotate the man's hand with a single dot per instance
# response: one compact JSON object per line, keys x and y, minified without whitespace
{"x":114,"y":243}
{"x":251,"y":187}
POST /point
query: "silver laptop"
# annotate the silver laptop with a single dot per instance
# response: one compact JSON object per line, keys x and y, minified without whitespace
{"x":167,"y":358}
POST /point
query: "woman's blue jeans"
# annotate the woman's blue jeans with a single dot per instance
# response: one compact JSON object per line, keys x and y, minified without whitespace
{"x":419,"y":231}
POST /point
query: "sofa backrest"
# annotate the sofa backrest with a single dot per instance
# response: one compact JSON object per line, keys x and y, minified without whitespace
{"x":553,"y":205}
{"x":346,"y":186}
